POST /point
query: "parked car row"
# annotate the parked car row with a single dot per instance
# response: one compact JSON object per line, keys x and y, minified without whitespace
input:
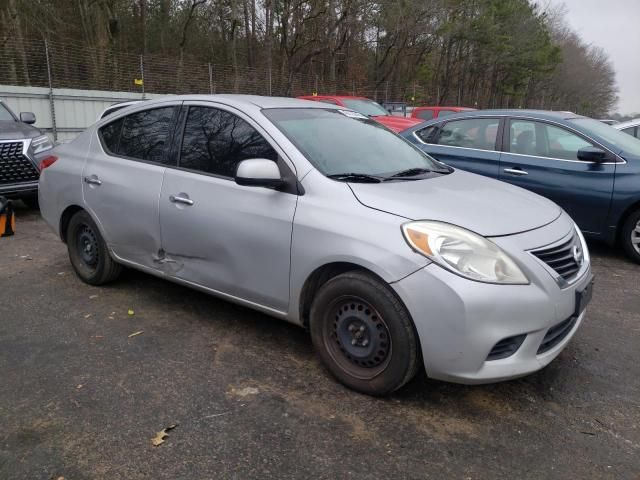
{"x":317,"y":214}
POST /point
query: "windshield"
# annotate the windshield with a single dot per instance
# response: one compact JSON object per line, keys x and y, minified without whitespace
{"x":5,"y":114}
{"x":365,"y":107}
{"x":336,"y":143}
{"x":624,"y":142}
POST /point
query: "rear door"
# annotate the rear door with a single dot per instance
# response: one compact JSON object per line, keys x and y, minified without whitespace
{"x":543,"y":157}
{"x":468,"y":144}
{"x":230,"y":238}
{"x":122,"y":179}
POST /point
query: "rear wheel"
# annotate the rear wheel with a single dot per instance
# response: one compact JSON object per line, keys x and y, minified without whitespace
{"x":88,"y":252}
{"x":631,"y":236}
{"x":364,"y":334}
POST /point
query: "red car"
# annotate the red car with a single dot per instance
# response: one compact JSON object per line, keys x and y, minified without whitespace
{"x":367,"y":107}
{"x":429,"y":113}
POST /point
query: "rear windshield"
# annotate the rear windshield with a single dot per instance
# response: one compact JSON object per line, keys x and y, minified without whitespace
{"x":5,"y":114}
{"x":335,"y":142}
{"x":365,"y":107}
{"x":622,"y":141}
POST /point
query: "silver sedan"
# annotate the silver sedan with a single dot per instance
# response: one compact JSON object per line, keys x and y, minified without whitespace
{"x":322,"y":217}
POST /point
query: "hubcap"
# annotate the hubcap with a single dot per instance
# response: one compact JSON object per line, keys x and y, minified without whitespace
{"x":87,"y":246}
{"x":635,"y":237}
{"x":358,"y":337}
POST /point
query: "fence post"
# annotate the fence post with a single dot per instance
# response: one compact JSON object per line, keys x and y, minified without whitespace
{"x":353,"y":88}
{"x":52,"y":106}
{"x":269,"y":72}
{"x":210,"y":80}
{"x":386,"y":91}
{"x":142,"y":74}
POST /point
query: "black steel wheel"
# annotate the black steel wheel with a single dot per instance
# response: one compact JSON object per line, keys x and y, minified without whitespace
{"x":88,"y":252}
{"x":364,"y":334}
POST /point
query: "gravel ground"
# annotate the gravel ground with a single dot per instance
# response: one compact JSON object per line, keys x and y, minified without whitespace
{"x":81,"y":398}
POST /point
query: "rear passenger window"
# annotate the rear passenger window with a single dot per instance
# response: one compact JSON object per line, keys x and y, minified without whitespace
{"x":145,"y":135}
{"x":215,"y":141}
{"x":110,"y":135}
{"x":478,"y":133}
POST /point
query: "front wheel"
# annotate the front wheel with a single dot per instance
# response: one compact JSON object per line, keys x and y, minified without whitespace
{"x":364,"y":334}
{"x":88,"y":251}
{"x":631,"y":236}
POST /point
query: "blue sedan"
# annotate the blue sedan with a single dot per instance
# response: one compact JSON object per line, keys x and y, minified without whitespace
{"x":587,"y":167}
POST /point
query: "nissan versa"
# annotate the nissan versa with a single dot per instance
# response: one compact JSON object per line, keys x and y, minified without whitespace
{"x":320,"y":216}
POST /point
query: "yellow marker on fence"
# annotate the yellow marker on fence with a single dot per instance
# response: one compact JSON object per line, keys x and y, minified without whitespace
{"x":138,"y":81}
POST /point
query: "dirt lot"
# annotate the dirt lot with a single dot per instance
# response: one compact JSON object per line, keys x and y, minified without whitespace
{"x":80,"y":398}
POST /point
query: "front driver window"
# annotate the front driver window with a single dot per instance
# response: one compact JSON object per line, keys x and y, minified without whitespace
{"x":478,"y":133}
{"x":215,"y":141}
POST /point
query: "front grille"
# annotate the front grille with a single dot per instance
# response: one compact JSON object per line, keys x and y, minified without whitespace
{"x":506,"y":347}
{"x":555,"y":334}
{"x":15,"y":167}
{"x":561,"y":257}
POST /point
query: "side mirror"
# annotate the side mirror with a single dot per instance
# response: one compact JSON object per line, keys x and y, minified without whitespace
{"x":259,"y":172}
{"x":592,"y":154}
{"x":27,"y":117}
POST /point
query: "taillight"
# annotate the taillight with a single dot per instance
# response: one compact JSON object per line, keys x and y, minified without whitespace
{"x":47,"y":161}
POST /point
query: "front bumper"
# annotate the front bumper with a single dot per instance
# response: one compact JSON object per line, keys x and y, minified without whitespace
{"x":459,"y":321}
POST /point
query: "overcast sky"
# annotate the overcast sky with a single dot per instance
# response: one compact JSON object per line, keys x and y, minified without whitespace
{"x":613,"y":25}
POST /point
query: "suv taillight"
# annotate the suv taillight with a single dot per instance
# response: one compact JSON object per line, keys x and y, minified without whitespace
{"x":47,"y":161}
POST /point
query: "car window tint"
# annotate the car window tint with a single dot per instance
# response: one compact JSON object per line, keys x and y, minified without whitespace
{"x":545,"y":140}
{"x":522,"y":137}
{"x":629,"y":131}
{"x":326,"y":100}
{"x":426,"y":134}
{"x":5,"y":115}
{"x":563,"y":143}
{"x":110,"y":135}
{"x":145,"y":134}
{"x":445,"y":113}
{"x":479,"y":133}
{"x":215,"y":141}
{"x":425,"y":114}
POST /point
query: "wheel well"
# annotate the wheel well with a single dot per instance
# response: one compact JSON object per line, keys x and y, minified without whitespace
{"x":623,"y":218}
{"x":69,"y":212}
{"x":319,"y":277}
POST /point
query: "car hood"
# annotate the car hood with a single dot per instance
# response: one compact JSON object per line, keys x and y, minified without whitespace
{"x":397,"y":124}
{"x":10,"y":130}
{"x":485,"y":206}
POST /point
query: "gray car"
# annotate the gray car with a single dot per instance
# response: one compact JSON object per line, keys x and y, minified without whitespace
{"x":322,"y":217}
{"x":22,"y":148}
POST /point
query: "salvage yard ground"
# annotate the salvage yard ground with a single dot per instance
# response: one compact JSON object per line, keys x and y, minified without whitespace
{"x":90,"y":376}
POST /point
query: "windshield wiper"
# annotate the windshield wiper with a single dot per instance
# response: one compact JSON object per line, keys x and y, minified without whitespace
{"x":355,"y":177}
{"x":410,"y":172}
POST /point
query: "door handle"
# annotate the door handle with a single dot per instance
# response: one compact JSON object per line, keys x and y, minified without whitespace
{"x":183,"y":200}
{"x":515,"y":171}
{"x":92,"y":180}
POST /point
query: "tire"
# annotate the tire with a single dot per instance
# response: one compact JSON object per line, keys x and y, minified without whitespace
{"x":88,"y":252}
{"x":630,"y":236}
{"x":363,"y":334}
{"x":31,"y":202}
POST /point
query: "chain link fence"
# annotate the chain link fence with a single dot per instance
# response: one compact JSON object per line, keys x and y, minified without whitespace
{"x":41,"y":63}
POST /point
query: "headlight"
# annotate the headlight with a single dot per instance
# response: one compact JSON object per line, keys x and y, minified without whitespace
{"x":41,"y":144}
{"x":463,"y":252}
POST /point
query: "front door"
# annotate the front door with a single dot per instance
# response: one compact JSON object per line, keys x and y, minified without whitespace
{"x":233,"y":239}
{"x":543,"y":158}
{"x":122,"y":179}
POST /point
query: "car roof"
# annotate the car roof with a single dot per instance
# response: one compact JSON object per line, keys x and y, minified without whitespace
{"x":444,"y":107}
{"x":337,"y":97}
{"x":244,"y":100}
{"x":628,"y":123}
